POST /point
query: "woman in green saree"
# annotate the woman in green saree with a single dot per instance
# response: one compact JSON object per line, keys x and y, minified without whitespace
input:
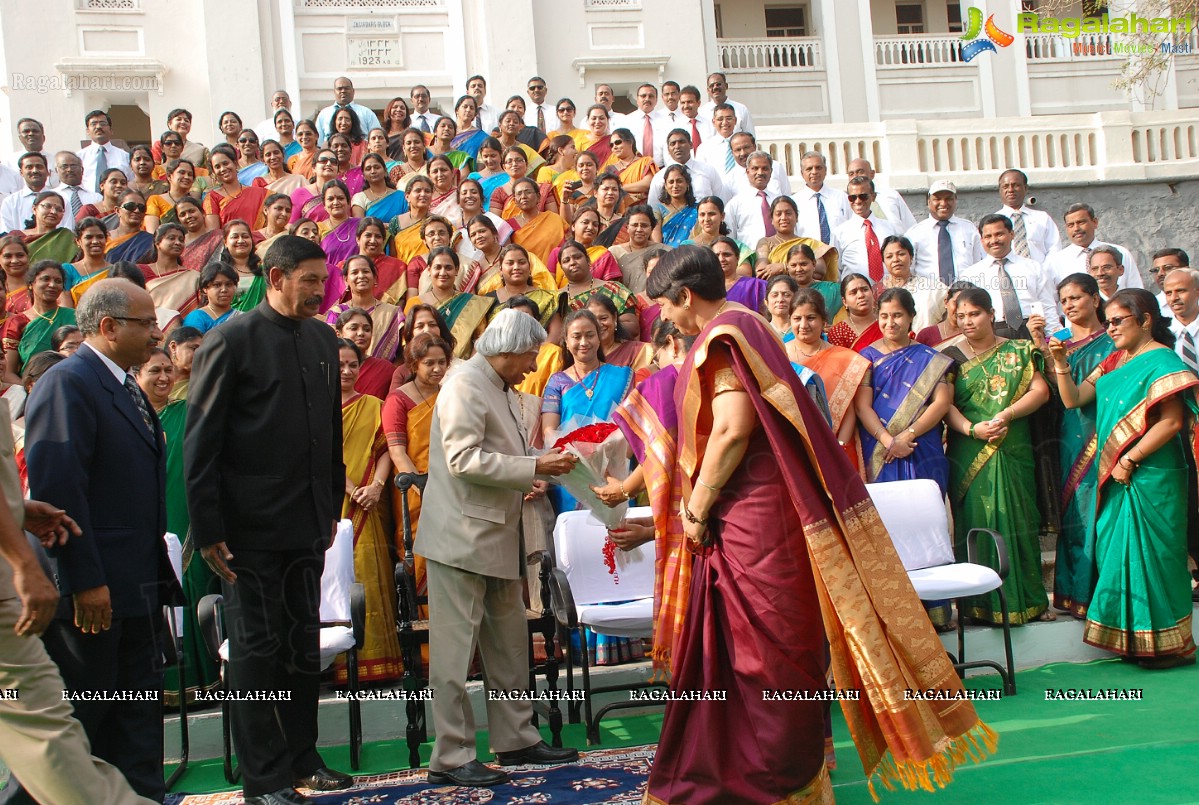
{"x":28,"y":333}
{"x":1087,"y":346}
{"x":1145,"y":404}
{"x":44,"y":238}
{"x":157,"y":377}
{"x":991,"y":480}
{"x":465,"y":313}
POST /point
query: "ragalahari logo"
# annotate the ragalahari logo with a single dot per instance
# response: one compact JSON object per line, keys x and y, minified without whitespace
{"x":974,"y":28}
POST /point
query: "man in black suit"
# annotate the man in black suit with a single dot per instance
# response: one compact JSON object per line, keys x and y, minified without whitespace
{"x":265,"y":479}
{"x":95,"y":448}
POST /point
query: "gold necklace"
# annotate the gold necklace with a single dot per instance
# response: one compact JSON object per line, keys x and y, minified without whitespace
{"x":996,"y":384}
{"x":819,"y":349}
{"x":590,"y":392}
{"x":44,"y":317}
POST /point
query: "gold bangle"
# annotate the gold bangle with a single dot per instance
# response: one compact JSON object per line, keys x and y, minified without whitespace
{"x":626,"y":494}
{"x":378,"y":483}
{"x":701,"y":482}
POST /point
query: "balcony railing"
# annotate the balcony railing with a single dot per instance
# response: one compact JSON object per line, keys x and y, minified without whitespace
{"x":771,"y":53}
{"x":1050,"y":48}
{"x":918,"y":50}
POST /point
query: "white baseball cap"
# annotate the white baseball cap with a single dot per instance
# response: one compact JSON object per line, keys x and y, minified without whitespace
{"x":943,"y":186}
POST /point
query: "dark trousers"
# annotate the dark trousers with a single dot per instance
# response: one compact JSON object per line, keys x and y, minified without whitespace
{"x":272,"y":619}
{"x":127,"y":657}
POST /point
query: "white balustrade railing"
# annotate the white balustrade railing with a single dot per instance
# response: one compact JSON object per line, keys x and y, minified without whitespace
{"x":770,"y":53}
{"x":1107,"y":146}
{"x":1049,"y":47}
{"x":918,"y":50}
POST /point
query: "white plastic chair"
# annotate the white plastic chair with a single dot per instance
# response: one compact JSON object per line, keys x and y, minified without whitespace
{"x":914,"y":514}
{"x":584,"y":594}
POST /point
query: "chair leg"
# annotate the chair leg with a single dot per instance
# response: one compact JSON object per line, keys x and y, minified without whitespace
{"x":572,"y":707}
{"x":961,"y":636}
{"x":548,"y":632}
{"x":593,"y":738}
{"x":355,"y":709}
{"x":184,"y":736}
{"x":1010,"y":681}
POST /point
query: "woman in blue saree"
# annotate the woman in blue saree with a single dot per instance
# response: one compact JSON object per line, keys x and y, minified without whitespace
{"x":489,"y":171}
{"x":129,"y":242}
{"x":469,"y":137}
{"x":1088,"y":345}
{"x":903,"y":400}
{"x":677,"y":210}
{"x":1145,"y":415}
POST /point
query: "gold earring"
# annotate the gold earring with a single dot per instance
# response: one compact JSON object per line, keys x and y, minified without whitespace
{"x":687,"y":307}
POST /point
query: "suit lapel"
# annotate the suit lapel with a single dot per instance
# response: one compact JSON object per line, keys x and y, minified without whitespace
{"x":121,"y":399}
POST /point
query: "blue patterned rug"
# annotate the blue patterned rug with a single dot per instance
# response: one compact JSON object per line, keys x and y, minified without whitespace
{"x":602,"y":777}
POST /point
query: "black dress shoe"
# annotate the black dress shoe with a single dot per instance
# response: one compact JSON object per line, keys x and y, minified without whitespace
{"x":284,"y":796}
{"x":471,"y":774}
{"x":325,"y":779}
{"x":540,"y":753}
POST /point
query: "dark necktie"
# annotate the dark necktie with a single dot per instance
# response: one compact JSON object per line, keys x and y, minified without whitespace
{"x":76,"y":204}
{"x":101,"y":167}
{"x":541,"y":117}
{"x":1020,"y":236}
{"x":770,"y":230}
{"x":822,"y":216}
{"x":945,"y":253}
{"x":1187,"y":350}
{"x":424,"y":124}
{"x":874,"y":255}
{"x":140,"y":401}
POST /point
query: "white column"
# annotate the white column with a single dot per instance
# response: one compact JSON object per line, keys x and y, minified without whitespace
{"x":289,"y":51}
{"x":1009,"y":66}
{"x":848,"y":38}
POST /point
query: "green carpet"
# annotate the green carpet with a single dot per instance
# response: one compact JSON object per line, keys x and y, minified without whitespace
{"x":1049,"y":751}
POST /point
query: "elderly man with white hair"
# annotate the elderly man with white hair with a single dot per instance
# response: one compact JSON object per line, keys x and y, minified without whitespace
{"x":479,"y":473}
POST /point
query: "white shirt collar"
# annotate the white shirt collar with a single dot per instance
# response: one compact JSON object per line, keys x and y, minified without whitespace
{"x":117,"y":372}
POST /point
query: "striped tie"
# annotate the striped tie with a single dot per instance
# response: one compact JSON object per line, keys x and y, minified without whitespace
{"x":822,"y":217}
{"x":1020,"y":236}
{"x":1187,"y":350}
{"x":729,"y":162}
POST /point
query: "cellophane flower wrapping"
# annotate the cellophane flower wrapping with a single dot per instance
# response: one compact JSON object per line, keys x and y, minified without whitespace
{"x":602,"y":451}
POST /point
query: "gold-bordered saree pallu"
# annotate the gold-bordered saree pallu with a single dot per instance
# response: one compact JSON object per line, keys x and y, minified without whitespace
{"x":1142,"y":604}
{"x":882,"y":651}
{"x":993,"y":484}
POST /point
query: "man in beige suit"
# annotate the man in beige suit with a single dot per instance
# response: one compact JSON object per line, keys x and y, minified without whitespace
{"x":479,"y":473}
{"x":39,"y":739}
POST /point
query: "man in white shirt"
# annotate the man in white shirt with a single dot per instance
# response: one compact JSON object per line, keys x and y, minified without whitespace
{"x":18,"y":207}
{"x":705,"y":180}
{"x":539,"y":113}
{"x":670,"y":113}
{"x":859,"y":240}
{"x":1106,"y":265}
{"x":1182,"y":292}
{"x":717,"y":150}
{"x":423,"y":118}
{"x":101,"y":154}
{"x":718,"y":92}
{"x":604,"y":96}
{"x":645,"y":126}
{"x":266,"y":129}
{"x":821,"y":208}
{"x":489,"y":116}
{"x":32,"y":137}
{"x":745,"y":144}
{"x":888,"y":204}
{"x":1027,"y":287}
{"x":697,"y":125}
{"x":343,"y":96}
{"x":1081,"y":223}
{"x":1035,"y":236}
{"x":74,"y":195}
{"x":945,"y":244}
{"x":1165,"y":261}
{"x":748,"y":213}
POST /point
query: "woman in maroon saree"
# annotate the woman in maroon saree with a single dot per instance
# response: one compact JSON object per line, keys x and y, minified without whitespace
{"x":755,"y":457}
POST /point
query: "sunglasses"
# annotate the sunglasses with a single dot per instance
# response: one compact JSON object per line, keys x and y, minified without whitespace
{"x":172,"y":142}
{"x":1116,"y":321}
{"x":617,"y":142}
{"x":562,"y":109}
{"x":326,"y":160}
{"x":244,"y":140}
{"x":860,"y":197}
{"x":133,"y":207}
{"x":536,"y":86}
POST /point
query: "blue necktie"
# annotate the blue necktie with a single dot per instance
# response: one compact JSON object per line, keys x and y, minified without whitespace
{"x":825,"y":235}
{"x":945,"y":253}
{"x":729,"y":162}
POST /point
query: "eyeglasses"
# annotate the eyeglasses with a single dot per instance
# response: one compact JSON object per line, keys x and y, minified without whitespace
{"x":617,"y":142}
{"x":562,"y":109}
{"x":244,"y":140}
{"x":326,"y":160}
{"x":860,"y":197}
{"x":133,"y":206}
{"x":147,"y":323}
{"x":172,"y":142}
{"x":533,"y":87}
{"x":1116,"y":321}
{"x":1154,"y":270}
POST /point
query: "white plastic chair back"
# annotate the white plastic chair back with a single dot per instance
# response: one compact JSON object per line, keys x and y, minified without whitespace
{"x":338,"y":576}
{"x":175,"y":553}
{"x":914,"y":514}
{"x":579,"y":553}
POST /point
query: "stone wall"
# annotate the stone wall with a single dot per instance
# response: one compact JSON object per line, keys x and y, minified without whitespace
{"x":1142,"y":217}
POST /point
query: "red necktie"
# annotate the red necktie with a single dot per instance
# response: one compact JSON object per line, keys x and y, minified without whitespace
{"x":874,"y":255}
{"x":695,"y":139}
{"x":770,"y":230}
{"x":647,"y":138}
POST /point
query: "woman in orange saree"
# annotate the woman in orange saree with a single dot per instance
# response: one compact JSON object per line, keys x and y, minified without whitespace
{"x":539,"y":232}
{"x":230,"y":200}
{"x":368,"y":472}
{"x":753,"y":453}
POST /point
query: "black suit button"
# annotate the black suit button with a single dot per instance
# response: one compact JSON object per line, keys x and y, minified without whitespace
{"x":314,"y":442}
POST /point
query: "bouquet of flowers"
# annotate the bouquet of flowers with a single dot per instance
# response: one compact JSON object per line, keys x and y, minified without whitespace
{"x":602,"y":451}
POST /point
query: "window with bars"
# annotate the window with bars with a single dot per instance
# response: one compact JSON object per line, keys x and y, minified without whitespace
{"x":786,"y":21}
{"x":909,"y":18}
